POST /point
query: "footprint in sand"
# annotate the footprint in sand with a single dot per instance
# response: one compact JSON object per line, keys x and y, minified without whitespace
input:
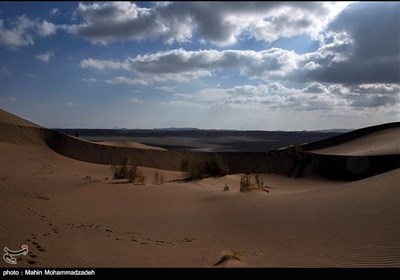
{"x":36,"y":247}
{"x":33,"y":256}
{"x":40,"y":248}
{"x":188,"y":239}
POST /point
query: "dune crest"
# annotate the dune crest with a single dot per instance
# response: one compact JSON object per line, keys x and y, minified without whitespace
{"x":71,"y":213}
{"x":130,"y":144}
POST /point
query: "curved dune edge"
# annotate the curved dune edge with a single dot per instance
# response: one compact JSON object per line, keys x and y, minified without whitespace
{"x":87,"y":151}
{"x":18,"y":131}
{"x":6,"y":117}
{"x":130,"y":144}
{"x":365,"y":143}
{"x":383,"y":142}
{"x":373,"y":140}
{"x":71,"y":214}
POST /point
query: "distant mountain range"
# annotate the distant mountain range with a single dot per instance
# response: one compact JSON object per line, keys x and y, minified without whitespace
{"x":337,"y":130}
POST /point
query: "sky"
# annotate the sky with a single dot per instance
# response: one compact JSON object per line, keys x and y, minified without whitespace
{"x":212,"y":65}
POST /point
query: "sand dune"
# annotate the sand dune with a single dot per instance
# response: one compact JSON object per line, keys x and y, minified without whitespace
{"x":383,"y":142}
{"x":6,"y":117}
{"x":130,"y":144}
{"x":71,"y":214}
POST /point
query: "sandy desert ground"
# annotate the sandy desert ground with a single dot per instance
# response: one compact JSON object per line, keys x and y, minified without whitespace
{"x":71,"y":214}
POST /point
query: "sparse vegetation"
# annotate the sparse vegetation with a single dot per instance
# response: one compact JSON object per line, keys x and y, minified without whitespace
{"x":140,"y":179}
{"x":259,"y":182}
{"x":132,"y":174}
{"x":229,"y":255}
{"x":196,"y":170}
{"x":216,"y":166}
{"x":127,"y":170}
{"x":226,"y":188}
{"x":121,"y":171}
{"x":246,"y":185}
{"x":158,"y":179}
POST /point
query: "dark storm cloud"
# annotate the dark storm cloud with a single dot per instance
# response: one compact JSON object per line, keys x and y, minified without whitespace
{"x":374,"y":52}
{"x":220,"y":23}
{"x":113,"y":21}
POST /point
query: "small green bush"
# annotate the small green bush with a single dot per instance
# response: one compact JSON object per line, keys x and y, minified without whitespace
{"x":195,"y":170}
{"x":121,"y":171}
{"x":127,"y":170}
{"x":216,"y":166}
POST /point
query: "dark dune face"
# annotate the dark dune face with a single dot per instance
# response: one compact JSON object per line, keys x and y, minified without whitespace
{"x":295,"y":161}
{"x":206,"y":140}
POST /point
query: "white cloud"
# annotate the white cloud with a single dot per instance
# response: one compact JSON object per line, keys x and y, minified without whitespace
{"x":22,"y":30}
{"x":17,"y":36}
{"x":313,"y":97}
{"x":89,"y":80}
{"x":182,"y":66}
{"x":185,"y":104}
{"x":206,"y":95}
{"x":45,"y":57}
{"x":136,"y":101}
{"x":219,"y":23}
{"x":166,"y":88}
{"x":112,"y":21}
{"x":54,"y":11}
{"x":127,"y":81}
{"x":277,"y":64}
{"x":46,"y":28}
{"x":100,"y":64}
{"x":315,"y":88}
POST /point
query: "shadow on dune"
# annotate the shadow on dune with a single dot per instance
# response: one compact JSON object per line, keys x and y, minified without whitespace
{"x":289,"y":162}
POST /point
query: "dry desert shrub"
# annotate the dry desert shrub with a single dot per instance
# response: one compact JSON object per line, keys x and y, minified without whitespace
{"x":127,"y":170}
{"x":229,"y":255}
